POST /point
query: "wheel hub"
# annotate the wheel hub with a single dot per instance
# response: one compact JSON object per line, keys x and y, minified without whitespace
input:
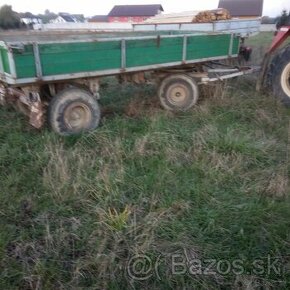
{"x":77,"y":116}
{"x":178,"y":94}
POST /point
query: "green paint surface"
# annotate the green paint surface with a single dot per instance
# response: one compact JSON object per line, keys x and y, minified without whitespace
{"x":81,"y":57}
{"x":206,"y":46}
{"x":5,"y":60}
{"x":24,"y":62}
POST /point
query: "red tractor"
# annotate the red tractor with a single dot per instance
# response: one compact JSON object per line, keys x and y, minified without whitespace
{"x":275,"y":70}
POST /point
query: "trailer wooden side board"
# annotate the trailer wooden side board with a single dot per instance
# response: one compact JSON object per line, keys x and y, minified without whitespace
{"x":241,"y":27}
{"x":29,"y":62}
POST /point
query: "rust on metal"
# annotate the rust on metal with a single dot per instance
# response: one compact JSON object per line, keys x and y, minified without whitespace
{"x":92,"y":84}
{"x":36,"y":109}
{"x":28,"y":101}
{"x":36,"y":118}
{"x":3,"y":94}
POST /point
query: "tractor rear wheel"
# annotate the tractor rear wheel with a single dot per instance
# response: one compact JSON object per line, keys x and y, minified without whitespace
{"x":280,"y":76}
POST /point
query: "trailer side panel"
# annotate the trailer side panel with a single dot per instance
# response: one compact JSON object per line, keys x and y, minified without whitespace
{"x":70,"y":59}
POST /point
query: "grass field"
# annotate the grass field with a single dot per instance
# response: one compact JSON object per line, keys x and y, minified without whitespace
{"x":149,"y":195}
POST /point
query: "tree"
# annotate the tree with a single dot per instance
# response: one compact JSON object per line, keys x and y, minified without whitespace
{"x":47,"y":16}
{"x":284,"y":19}
{"x":268,"y":20}
{"x":9,"y":19}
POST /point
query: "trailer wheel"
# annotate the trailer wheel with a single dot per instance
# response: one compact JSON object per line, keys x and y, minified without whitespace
{"x":281,"y":76}
{"x":178,"y":92}
{"x":73,"y":111}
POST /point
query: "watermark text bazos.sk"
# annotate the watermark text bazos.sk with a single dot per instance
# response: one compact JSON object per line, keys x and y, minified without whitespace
{"x":142,"y":267}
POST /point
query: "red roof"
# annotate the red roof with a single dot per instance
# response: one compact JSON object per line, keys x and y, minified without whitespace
{"x":135,"y":10}
{"x":243,"y":7}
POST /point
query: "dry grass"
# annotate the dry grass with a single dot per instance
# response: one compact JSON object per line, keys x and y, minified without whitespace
{"x":253,"y":282}
{"x":137,"y":107}
{"x":73,"y":172}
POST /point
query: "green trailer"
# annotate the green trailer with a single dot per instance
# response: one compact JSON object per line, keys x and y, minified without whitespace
{"x":55,"y":77}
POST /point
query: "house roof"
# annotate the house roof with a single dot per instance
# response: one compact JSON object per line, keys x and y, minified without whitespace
{"x":79,"y":17}
{"x":99,"y":18}
{"x":243,"y":7}
{"x":135,"y":10}
{"x":67,"y":17}
{"x":28,"y":15}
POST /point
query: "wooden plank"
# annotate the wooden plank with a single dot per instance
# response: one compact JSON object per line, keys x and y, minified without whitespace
{"x":182,"y":17}
{"x":191,"y":16}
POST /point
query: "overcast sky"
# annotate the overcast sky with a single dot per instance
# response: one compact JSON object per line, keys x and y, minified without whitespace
{"x":94,"y":7}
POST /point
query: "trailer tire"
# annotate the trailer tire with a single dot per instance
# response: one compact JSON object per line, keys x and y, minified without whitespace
{"x":281,"y":76}
{"x":178,"y":92}
{"x":73,"y":111}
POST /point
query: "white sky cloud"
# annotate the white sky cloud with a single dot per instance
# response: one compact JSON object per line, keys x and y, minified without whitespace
{"x":94,"y":7}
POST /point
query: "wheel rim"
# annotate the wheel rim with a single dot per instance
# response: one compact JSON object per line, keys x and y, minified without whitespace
{"x":178,"y":94}
{"x":77,"y":116}
{"x":285,"y":80}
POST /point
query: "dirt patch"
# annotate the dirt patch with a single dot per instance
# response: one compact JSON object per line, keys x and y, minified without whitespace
{"x":138,"y":107}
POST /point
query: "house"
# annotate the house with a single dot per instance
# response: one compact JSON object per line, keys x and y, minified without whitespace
{"x":29,"y":19}
{"x":68,"y":18}
{"x":99,"y":18}
{"x":133,"y":13}
{"x":79,"y":17}
{"x":243,"y":8}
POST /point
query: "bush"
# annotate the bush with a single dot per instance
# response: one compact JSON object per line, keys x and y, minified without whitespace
{"x":9,"y":19}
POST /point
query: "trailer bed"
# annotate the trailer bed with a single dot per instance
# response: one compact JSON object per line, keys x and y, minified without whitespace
{"x":243,"y":27}
{"x":28,"y":59}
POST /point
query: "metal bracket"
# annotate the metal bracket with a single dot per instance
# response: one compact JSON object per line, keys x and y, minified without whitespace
{"x":37,"y":60}
{"x":123,"y":54}
{"x":240,"y":72}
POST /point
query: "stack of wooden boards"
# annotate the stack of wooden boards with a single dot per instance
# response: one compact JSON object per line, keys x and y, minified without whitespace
{"x":212,"y":15}
{"x":173,"y":17}
{"x":191,"y":17}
